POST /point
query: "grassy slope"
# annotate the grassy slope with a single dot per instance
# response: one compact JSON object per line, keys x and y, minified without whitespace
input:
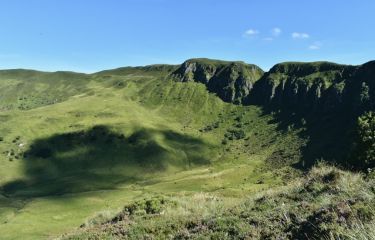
{"x":327,"y":203}
{"x":44,"y":197}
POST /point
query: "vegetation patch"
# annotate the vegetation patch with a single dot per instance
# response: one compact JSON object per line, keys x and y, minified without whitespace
{"x":321,"y":205}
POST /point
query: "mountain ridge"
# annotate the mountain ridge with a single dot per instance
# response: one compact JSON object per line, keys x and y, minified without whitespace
{"x":118,"y":135}
{"x":285,"y":84}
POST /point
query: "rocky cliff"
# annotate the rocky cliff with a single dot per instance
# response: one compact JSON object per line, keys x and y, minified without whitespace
{"x":318,"y":86}
{"x":315,"y":86}
{"x":302,"y":85}
{"x":231,"y":81}
{"x":324,"y":99}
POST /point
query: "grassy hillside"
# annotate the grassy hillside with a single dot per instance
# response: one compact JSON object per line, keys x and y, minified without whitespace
{"x":76,"y":148}
{"x":75,"y":144}
{"x":27,"y":89}
{"x":327,"y":203}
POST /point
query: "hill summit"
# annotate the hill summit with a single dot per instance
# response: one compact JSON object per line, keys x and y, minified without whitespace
{"x":231,"y":81}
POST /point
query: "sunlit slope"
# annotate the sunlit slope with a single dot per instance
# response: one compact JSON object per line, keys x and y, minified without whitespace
{"x":119,"y":135}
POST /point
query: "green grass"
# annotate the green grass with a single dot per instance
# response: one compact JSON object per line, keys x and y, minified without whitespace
{"x":327,"y":203}
{"x":75,"y":144}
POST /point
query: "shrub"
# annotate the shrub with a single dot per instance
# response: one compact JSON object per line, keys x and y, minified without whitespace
{"x":365,"y":145}
{"x":153,"y":205}
{"x":235,"y":134}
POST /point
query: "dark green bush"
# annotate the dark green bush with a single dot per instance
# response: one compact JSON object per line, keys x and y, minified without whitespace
{"x":235,"y":134}
{"x":153,"y":205}
{"x":364,"y":153}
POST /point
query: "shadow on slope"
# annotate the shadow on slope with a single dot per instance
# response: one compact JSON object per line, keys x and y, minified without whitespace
{"x":100,"y":159}
{"x":329,"y":137}
{"x":324,"y":99}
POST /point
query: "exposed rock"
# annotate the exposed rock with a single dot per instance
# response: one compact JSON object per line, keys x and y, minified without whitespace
{"x":302,"y":85}
{"x":319,"y":86}
{"x":231,"y":81}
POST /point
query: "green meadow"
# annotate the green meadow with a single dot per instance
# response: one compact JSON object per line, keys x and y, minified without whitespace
{"x":74,"y":145}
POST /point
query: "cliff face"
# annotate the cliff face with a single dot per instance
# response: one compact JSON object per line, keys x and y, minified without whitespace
{"x":303,"y":86}
{"x":317,"y":86}
{"x":360,"y":88}
{"x":300,"y":87}
{"x":231,"y":81}
{"x":327,"y":98}
{"x":324,"y":99}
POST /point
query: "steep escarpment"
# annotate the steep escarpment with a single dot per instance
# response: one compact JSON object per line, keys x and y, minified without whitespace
{"x":302,"y":86}
{"x":231,"y":81}
{"x":316,"y":87}
{"x":324,"y":98}
{"x":360,"y":89}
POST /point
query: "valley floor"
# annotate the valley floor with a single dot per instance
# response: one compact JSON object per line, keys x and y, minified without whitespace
{"x":123,"y":139}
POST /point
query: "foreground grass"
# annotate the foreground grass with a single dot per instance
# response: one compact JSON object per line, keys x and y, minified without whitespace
{"x":325,"y":204}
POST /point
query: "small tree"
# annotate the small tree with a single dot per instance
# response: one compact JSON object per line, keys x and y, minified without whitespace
{"x":364,"y":95}
{"x":366,"y":140}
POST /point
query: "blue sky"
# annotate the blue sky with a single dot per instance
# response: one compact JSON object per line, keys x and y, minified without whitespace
{"x":92,"y":35}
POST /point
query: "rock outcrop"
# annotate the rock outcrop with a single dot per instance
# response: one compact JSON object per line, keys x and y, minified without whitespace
{"x":315,"y":86}
{"x":302,"y":86}
{"x":325,"y":98}
{"x":318,"y":86}
{"x":231,"y":81}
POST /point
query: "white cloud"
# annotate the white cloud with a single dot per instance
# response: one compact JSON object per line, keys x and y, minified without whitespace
{"x":315,"y":46}
{"x":297,"y":35}
{"x":276,"y":32}
{"x":251,"y":32}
